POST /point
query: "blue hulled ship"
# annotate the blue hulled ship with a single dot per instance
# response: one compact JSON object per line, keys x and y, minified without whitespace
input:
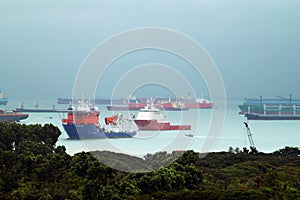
{"x":83,"y":123}
{"x":3,"y":101}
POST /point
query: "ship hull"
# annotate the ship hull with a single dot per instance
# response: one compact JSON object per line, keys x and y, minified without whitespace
{"x":282,"y":101}
{"x":96,"y":101}
{"x":38,"y":110}
{"x":121,"y":108}
{"x":91,"y":131}
{"x":164,"y":106}
{"x":199,"y":105}
{"x":154,"y":125}
{"x":259,"y":109}
{"x":3,"y":101}
{"x":252,"y":116}
{"x":12,"y":117}
{"x":285,"y":106}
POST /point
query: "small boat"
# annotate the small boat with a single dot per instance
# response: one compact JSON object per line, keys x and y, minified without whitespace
{"x":189,"y":135}
{"x":151,"y":118}
{"x":11,"y":116}
{"x":83,"y":123}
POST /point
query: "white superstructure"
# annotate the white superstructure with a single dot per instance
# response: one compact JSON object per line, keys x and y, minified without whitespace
{"x":151,"y":113}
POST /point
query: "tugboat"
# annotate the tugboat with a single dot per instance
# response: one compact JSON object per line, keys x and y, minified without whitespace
{"x":151,"y":118}
{"x":119,"y":122}
{"x":83,"y":123}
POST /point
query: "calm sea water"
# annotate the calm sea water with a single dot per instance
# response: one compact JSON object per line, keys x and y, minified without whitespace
{"x":267,"y":135}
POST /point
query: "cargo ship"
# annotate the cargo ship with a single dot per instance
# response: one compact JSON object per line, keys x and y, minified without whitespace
{"x":134,"y":103}
{"x":271,"y":106}
{"x":3,"y":101}
{"x":11,"y":116}
{"x":40,"y":110}
{"x":83,"y":123}
{"x":151,"y":118}
{"x":105,"y":101}
{"x":98,"y":101}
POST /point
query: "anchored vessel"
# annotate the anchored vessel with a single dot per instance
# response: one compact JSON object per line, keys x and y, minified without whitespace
{"x":170,"y":104}
{"x":151,"y":118}
{"x":83,"y":122}
{"x":95,"y":101}
{"x":3,"y":101}
{"x":134,"y":103}
{"x":11,"y":116}
{"x":271,"y":109}
{"x":254,"y":116}
{"x":39,"y":110}
{"x":271,"y":106}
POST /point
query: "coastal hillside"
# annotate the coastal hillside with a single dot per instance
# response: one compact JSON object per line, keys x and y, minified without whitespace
{"x":33,"y":167}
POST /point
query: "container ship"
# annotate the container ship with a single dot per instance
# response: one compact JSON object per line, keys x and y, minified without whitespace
{"x":3,"y":101}
{"x":270,"y":106}
{"x":151,"y":118}
{"x":11,"y":116}
{"x":83,"y":123}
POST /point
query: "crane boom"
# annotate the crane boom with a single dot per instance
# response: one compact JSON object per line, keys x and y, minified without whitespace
{"x":249,"y":134}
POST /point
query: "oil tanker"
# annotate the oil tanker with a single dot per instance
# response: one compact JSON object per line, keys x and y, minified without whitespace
{"x":134,"y":103}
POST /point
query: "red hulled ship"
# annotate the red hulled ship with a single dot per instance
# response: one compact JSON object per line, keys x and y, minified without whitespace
{"x":151,"y":118}
{"x":165,"y":104}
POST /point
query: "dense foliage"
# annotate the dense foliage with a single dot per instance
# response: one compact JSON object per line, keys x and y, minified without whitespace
{"x":32,"y":167}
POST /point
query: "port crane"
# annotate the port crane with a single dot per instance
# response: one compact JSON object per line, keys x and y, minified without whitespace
{"x":249,"y":134}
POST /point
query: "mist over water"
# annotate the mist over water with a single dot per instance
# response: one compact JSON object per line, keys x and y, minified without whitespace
{"x":44,"y":44}
{"x":254,"y":45}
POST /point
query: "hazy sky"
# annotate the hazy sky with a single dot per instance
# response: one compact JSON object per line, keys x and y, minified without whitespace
{"x":255,"y":44}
